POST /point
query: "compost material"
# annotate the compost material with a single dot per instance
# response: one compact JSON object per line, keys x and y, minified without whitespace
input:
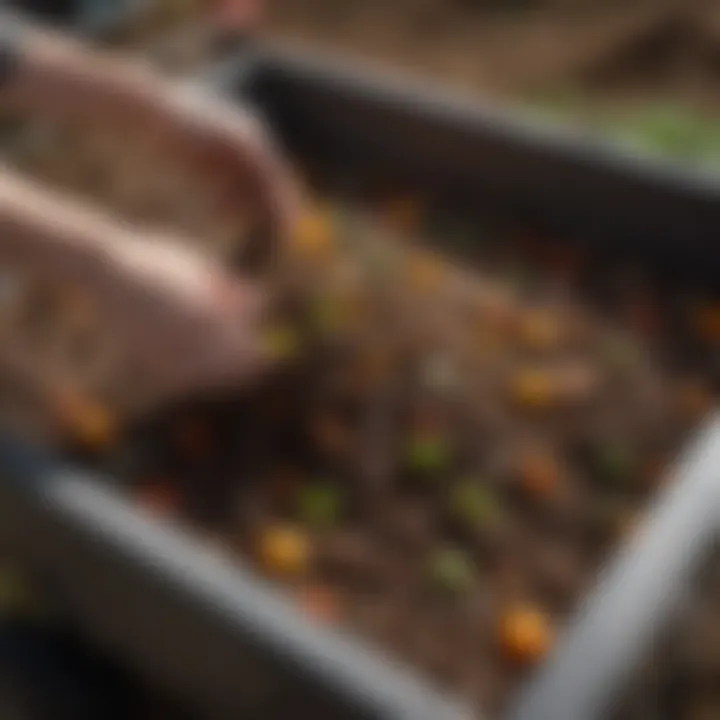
{"x":444,"y":455}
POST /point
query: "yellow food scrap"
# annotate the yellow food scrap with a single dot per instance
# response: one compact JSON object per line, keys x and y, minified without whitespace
{"x":533,"y":388}
{"x":525,"y":633}
{"x":85,"y":422}
{"x":285,"y":550}
{"x":315,"y":233}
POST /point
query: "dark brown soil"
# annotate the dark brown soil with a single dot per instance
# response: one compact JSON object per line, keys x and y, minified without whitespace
{"x":445,"y":457}
{"x":395,"y":479}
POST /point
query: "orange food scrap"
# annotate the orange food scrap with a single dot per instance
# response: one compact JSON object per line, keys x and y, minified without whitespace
{"x":285,"y":550}
{"x":539,"y":473}
{"x":321,"y":603}
{"x":525,"y":633}
{"x":84,"y":421}
{"x":314,"y":233}
{"x":159,"y":497}
{"x":533,"y":388}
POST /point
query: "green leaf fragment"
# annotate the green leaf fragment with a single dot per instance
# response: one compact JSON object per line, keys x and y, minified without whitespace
{"x":472,"y":504}
{"x":428,"y":454}
{"x":319,"y":505}
{"x":451,"y":570}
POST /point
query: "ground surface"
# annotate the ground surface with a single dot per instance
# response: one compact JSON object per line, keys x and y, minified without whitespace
{"x":643,"y":71}
{"x":526,"y":46}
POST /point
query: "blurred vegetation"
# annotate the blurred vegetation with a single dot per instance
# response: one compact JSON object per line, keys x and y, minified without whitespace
{"x":665,"y":130}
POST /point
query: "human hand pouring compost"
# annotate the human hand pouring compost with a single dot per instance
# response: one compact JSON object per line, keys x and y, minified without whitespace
{"x":159,"y":313}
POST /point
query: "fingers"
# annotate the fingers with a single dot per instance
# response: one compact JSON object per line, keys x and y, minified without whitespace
{"x":230,"y":147}
{"x":188,"y":325}
{"x":61,"y":79}
{"x":233,"y":149}
{"x":198,"y":330}
{"x":233,"y":353}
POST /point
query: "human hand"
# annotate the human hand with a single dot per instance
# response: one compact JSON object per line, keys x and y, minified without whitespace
{"x":228,"y":150}
{"x":167,"y":321}
{"x":186,"y":326}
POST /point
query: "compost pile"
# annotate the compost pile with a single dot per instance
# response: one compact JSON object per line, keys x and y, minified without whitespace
{"x":441,"y":459}
{"x":683,"y":676}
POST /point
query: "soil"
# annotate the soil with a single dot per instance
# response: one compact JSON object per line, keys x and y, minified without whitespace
{"x":447,"y":490}
{"x":444,"y":457}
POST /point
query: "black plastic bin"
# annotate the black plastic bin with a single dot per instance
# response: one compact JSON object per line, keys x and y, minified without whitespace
{"x":217,"y":636}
